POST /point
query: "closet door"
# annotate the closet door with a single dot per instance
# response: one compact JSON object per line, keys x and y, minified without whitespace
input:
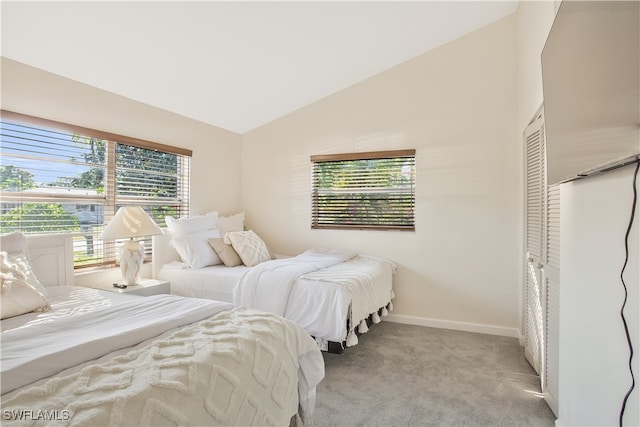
{"x":542,"y":264}
{"x":535,"y":236}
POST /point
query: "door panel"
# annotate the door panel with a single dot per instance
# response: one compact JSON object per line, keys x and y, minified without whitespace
{"x":542,"y":264}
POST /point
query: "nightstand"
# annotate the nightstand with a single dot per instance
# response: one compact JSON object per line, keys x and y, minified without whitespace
{"x":145,"y":288}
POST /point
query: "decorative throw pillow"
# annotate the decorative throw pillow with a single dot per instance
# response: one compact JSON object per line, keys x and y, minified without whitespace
{"x":251,"y":249}
{"x":18,"y":296}
{"x":227,"y":224}
{"x":14,"y":242}
{"x":194,"y":248}
{"x":193,"y":224}
{"x":22,"y":262}
{"x":227,"y":254}
{"x":16,"y":247}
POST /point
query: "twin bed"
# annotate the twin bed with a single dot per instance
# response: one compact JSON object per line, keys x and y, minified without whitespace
{"x":90,"y":357}
{"x":334,"y":295}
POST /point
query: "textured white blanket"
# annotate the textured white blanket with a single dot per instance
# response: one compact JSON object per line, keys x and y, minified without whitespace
{"x":41,"y":350}
{"x":239,"y":367}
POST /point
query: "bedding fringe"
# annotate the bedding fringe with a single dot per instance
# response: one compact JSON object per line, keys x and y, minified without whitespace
{"x":363,"y":328}
{"x":352,"y":339}
{"x":375,"y":318}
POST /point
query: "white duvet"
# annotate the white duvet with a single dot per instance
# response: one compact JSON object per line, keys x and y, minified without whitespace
{"x":320,"y":290}
{"x":217,"y":365}
{"x":42,"y":350}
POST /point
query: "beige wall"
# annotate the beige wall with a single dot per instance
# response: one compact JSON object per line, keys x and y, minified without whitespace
{"x":216,"y":152}
{"x":456,"y":106}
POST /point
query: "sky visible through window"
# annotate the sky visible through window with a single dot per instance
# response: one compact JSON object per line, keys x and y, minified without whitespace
{"x":50,"y":156}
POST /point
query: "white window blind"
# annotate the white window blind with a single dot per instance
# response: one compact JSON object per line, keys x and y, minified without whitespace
{"x":374,"y":190}
{"x":59,"y":178}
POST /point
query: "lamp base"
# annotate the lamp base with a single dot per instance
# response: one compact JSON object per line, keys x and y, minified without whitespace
{"x":131,"y":258}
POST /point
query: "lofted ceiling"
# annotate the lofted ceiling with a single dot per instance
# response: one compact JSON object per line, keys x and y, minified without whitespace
{"x":236,"y":65}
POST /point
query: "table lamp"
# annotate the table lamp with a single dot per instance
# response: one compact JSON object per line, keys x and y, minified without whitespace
{"x":130,"y":222}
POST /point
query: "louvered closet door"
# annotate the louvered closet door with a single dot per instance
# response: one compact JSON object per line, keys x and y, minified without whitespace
{"x":542,"y":243}
{"x":535,"y":184}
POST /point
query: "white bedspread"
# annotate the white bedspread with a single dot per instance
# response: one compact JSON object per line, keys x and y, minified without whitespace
{"x":47,"y":348}
{"x":319,"y":290}
{"x":268,"y":285}
{"x":239,"y":367}
{"x":360,"y":277}
{"x":215,"y":282}
{"x":217,"y":365}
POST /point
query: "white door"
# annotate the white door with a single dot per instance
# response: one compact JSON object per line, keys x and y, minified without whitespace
{"x":542,"y":263}
{"x":535,"y":197}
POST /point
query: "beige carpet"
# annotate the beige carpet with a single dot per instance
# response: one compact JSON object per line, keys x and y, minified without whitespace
{"x":404,"y":375}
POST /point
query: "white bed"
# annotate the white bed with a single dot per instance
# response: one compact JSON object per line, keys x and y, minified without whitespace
{"x":333,"y":295}
{"x":215,"y":282}
{"x":102,"y":358}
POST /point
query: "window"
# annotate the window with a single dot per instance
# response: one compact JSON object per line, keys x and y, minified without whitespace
{"x":60,"y":178}
{"x":374,"y":190}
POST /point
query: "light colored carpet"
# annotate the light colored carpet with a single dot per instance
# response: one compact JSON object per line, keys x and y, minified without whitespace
{"x":405,"y":375}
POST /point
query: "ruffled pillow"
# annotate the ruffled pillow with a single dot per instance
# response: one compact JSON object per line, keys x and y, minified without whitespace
{"x":22,"y":262}
{"x":16,"y":247}
{"x":251,"y":249}
{"x":18,"y":296}
{"x":14,"y":242}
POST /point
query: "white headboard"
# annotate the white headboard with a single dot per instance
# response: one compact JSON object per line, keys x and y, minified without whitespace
{"x":163,"y":253}
{"x":52,"y":258}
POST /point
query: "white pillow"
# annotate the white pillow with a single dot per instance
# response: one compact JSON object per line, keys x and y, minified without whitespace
{"x":14,"y":242}
{"x":193,"y":224}
{"x":231,"y":223}
{"x":194,"y":248}
{"x":15,"y":245}
{"x":22,"y":262}
{"x":17,"y":295}
{"x":251,"y":249}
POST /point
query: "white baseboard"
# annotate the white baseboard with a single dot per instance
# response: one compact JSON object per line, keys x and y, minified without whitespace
{"x":458,"y":326}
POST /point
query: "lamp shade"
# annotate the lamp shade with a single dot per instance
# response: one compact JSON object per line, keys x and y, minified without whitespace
{"x":130,"y":222}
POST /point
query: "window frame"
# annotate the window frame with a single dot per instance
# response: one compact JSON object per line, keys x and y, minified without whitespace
{"x":316,"y":211}
{"x":110,"y":200}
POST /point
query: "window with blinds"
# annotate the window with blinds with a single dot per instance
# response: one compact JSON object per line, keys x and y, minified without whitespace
{"x":373,"y":190}
{"x":60,"y":178}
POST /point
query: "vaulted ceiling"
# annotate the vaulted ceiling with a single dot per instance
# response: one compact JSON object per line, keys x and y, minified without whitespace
{"x":236,"y":65}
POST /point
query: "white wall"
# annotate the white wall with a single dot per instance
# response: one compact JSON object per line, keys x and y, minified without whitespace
{"x":594,"y":355}
{"x":456,"y":106}
{"x":594,"y":213}
{"x":215,"y":163}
